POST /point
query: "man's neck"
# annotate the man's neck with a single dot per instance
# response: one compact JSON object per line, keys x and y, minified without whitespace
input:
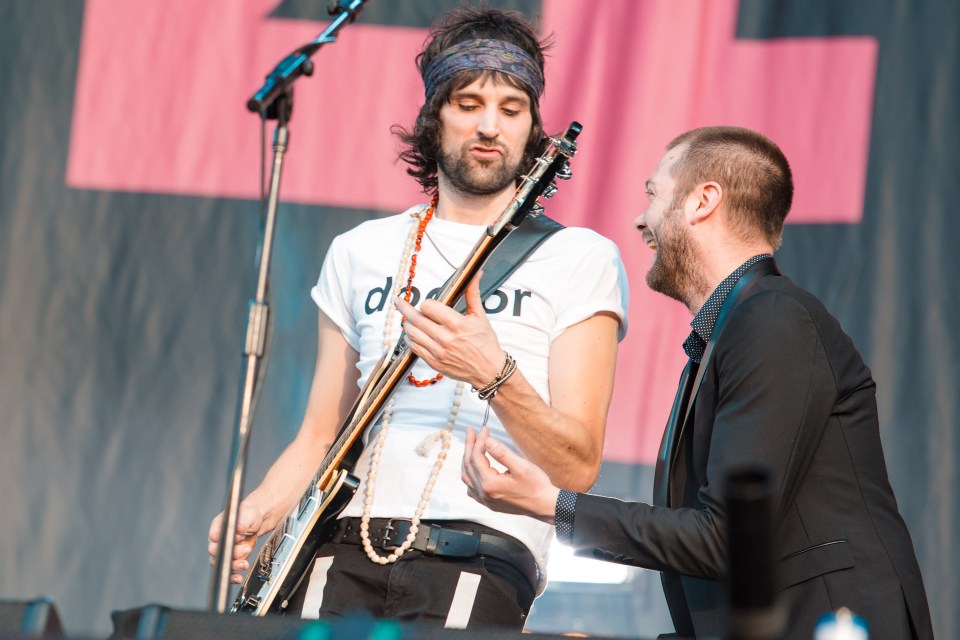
{"x":456,"y":206}
{"x":720,"y":263}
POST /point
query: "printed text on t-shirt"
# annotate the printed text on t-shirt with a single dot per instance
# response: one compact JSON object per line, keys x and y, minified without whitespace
{"x":496,"y":302}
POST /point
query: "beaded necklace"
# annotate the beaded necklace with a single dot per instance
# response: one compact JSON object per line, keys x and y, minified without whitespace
{"x":410,"y":251}
{"x":408,"y":291}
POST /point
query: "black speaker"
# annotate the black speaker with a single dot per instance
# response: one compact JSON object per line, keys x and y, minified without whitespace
{"x":154,"y":622}
{"x":157,"y":621}
{"x":30,"y":618}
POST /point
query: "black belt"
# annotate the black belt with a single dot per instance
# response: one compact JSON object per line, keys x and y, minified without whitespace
{"x":452,"y":539}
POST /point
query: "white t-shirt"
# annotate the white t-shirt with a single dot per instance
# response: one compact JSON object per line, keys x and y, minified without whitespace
{"x":573,"y":275}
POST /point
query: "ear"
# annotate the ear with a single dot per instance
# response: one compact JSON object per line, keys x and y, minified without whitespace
{"x":708,"y":197}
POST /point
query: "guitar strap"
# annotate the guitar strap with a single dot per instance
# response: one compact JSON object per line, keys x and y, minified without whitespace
{"x":511,"y":253}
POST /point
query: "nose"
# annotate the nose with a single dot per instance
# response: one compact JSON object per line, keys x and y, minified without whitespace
{"x":489,"y":124}
{"x":640,"y":222}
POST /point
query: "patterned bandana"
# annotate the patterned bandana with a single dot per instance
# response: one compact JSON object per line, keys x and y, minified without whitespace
{"x":495,"y":55}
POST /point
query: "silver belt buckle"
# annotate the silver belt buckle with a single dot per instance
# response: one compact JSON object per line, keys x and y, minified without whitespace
{"x":385,"y":537}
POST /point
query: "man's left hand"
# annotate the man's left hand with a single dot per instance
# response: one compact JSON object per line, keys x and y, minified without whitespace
{"x":461,"y":346}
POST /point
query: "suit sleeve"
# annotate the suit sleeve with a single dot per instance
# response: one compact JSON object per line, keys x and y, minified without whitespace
{"x":773,"y":391}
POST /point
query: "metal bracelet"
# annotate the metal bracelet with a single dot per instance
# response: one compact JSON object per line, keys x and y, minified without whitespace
{"x":489,"y":391}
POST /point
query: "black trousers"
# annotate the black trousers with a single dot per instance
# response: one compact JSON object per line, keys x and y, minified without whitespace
{"x":453,"y":592}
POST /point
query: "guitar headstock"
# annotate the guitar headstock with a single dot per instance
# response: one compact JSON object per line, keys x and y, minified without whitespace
{"x":552,"y":165}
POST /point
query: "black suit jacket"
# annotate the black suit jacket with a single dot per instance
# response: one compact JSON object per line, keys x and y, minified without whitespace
{"x":783,"y":385}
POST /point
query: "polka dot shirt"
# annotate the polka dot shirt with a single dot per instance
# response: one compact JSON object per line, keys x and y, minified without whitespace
{"x":704,"y":321}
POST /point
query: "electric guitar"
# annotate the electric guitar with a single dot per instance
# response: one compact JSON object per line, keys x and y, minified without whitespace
{"x":284,"y":559}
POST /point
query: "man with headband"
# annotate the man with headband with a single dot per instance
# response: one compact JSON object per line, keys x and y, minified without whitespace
{"x":534,"y":361}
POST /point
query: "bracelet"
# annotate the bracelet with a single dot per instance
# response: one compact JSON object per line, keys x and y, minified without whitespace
{"x":509,"y":366}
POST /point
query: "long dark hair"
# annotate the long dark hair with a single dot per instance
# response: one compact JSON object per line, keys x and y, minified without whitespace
{"x":422,"y":144}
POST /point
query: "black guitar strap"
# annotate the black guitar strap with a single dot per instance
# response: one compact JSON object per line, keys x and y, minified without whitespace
{"x":511,"y":253}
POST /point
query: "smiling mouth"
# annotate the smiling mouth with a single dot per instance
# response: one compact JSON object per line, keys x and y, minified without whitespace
{"x":650,"y":242}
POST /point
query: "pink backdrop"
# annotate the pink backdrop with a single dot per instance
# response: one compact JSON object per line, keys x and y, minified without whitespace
{"x":162,"y":84}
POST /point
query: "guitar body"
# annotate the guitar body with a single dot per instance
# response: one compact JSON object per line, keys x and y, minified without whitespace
{"x":279,"y":569}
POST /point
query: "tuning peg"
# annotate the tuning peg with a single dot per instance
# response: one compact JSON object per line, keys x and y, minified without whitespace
{"x":564,"y":173}
{"x":550,"y":190}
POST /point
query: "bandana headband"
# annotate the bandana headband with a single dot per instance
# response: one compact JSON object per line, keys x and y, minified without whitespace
{"x":494,"y":55}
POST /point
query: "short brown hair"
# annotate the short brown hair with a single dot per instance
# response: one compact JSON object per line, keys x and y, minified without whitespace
{"x":752,"y":170}
{"x":422,"y":144}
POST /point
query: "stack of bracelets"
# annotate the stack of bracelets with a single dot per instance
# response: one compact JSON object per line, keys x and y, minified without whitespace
{"x":509,"y":366}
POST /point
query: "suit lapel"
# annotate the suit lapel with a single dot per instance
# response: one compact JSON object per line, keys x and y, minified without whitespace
{"x":667,"y":444}
{"x":683,"y":406}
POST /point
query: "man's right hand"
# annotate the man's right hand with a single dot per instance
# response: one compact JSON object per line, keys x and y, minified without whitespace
{"x":249,"y":523}
{"x":522,"y":488}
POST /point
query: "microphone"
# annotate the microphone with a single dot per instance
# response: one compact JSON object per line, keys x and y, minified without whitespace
{"x":755,"y":613}
{"x":280,"y":81}
{"x":352,"y":7}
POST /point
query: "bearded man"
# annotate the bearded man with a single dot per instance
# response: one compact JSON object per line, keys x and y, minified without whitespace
{"x":771,"y":379}
{"x":541,"y":349}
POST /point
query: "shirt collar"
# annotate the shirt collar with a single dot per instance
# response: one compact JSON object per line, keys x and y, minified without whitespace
{"x":705,"y":320}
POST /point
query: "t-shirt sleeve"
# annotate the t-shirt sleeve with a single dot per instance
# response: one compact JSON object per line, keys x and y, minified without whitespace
{"x":595,"y":283}
{"x":332,"y":292}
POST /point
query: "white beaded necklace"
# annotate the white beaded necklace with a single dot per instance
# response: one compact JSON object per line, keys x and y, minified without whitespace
{"x":423,"y":449}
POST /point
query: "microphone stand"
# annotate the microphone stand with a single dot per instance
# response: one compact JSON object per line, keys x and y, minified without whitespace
{"x":273,"y":101}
